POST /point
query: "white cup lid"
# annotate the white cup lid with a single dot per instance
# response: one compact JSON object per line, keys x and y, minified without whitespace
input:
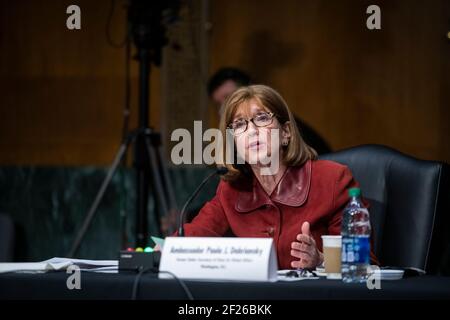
{"x":332,"y":240}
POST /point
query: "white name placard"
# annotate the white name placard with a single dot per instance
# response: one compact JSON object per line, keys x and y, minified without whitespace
{"x":244,"y":259}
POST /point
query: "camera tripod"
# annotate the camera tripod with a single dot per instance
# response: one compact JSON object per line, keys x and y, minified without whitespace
{"x":146,"y":21}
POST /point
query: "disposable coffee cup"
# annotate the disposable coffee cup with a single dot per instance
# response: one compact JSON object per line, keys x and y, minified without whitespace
{"x":332,"y":256}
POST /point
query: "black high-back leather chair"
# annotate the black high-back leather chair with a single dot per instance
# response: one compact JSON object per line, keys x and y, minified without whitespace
{"x":409,"y":204}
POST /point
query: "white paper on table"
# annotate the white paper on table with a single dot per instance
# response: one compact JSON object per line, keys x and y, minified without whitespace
{"x":282,"y":276}
{"x":83,"y":263}
{"x":55,"y":264}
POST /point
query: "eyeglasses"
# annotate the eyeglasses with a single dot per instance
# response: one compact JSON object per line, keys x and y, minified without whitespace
{"x":262,"y":119}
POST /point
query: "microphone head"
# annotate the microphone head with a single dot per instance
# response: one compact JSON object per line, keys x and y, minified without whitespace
{"x":222,"y":170}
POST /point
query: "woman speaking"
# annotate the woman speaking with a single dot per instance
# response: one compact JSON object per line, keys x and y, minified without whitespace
{"x":294,"y":202}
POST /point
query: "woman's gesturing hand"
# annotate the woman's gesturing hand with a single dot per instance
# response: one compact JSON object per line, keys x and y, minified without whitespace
{"x":305,"y":250}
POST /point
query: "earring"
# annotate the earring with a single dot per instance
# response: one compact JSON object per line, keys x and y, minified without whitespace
{"x":285,"y":143}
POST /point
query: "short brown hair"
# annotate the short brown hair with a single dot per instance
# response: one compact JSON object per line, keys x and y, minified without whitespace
{"x":297,"y":152}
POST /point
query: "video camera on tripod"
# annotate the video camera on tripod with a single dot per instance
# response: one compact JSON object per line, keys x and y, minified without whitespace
{"x":147,"y":24}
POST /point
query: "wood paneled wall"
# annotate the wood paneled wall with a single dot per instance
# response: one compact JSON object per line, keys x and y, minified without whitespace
{"x":353,"y":85}
{"x":62,"y":91}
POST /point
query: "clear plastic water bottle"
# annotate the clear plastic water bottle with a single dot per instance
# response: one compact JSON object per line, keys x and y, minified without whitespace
{"x":355,"y":256}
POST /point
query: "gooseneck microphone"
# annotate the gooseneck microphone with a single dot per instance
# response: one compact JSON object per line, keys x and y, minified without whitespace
{"x":219,"y":171}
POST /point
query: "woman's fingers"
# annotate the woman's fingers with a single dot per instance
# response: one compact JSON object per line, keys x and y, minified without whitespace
{"x":305,"y":238}
{"x":305,"y":250}
{"x":301,"y":255}
{"x":300,"y":246}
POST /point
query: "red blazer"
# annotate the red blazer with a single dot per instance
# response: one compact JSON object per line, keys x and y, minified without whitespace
{"x":315,"y":192}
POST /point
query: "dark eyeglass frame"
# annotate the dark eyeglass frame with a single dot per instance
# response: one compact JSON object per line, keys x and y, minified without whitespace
{"x":270,"y":114}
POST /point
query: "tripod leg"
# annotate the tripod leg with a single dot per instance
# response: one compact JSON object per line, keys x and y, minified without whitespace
{"x":167,"y":182}
{"x":87,"y":221}
{"x":172,"y":214}
{"x":157,"y":183}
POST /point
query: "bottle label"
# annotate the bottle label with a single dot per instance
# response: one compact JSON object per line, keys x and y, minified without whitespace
{"x":355,"y":249}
